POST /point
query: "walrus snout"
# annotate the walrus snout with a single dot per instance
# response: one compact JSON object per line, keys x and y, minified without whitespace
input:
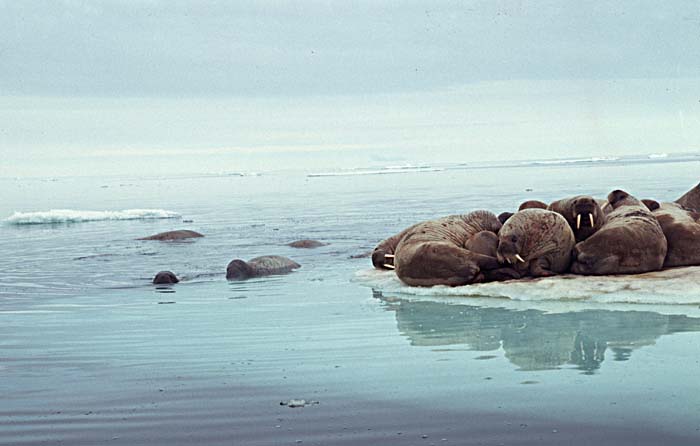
{"x":585,"y":213}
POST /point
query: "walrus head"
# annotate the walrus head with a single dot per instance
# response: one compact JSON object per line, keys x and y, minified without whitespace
{"x":532,"y":204}
{"x":238,"y":270}
{"x":619,"y":198}
{"x":510,"y":244}
{"x":652,"y":205}
{"x":504,"y":216}
{"x":586,"y":212}
{"x":165,"y":277}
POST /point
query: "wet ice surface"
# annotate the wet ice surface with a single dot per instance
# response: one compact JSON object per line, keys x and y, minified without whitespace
{"x":91,"y":353}
{"x":676,"y":286}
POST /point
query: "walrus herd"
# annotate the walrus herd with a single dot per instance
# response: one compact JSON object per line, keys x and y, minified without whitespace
{"x":581,"y":235}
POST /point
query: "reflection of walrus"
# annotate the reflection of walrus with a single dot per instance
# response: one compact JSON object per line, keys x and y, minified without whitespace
{"x":583,"y":213}
{"x":434,"y":253}
{"x":682,"y":230}
{"x":631,"y":241}
{"x":537,"y":241}
{"x":691,"y":199}
{"x":260,"y":266}
{"x":181,"y":234}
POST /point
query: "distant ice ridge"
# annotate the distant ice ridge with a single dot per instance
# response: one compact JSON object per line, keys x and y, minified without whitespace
{"x":598,"y":159}
{"x":677,"y":286}
{"x":72,"y":216}
{"x":406,"y":168}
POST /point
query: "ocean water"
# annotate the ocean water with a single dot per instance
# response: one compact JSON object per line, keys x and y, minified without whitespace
{"x":91,"y":353}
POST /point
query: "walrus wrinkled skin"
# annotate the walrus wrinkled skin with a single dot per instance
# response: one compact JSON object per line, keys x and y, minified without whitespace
{"x":532,"y":204}
{"x":434,"y":252}
{"x":181,"y":234}
{"x":681,"y":227}
{"x":238,"y":269}
{"x":630,"y":242}
{"x":691,"y":199}
{"x":583,"y":213}
{"x":165,"y":277}
{"x":537,"y":241}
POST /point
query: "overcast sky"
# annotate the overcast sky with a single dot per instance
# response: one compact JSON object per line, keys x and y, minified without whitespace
{"x":85,"y":79}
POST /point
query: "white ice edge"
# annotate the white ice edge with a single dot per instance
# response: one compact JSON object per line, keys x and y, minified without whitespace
{"x":675,"y":290}
{"x":54,"y":216}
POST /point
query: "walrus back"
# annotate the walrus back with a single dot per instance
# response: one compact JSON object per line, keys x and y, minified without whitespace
{"x":268,"y":265}
{"x":631,"y":241}
{"x":682,"y":231}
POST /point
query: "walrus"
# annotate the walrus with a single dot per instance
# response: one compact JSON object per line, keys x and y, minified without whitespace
{"x":307,"y":244}
{"x":537,"y":241}
{"x":181,"y":234}
{"x":630,"y":242}
{"x":532,"y":204}
{"x":681,"y":227}
{"x":239,"y":269}
{"x":165,"y":277}
{"x":583,"y":213}
{"x":504,"y":216}
{"x":433,"y":252}
{"x":691,"y":199}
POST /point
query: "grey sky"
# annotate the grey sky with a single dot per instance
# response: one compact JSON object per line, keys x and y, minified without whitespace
{"x":192,"y":48}
{"x":136,"y":86}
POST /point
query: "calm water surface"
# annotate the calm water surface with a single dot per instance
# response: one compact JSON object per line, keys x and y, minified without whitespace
{"x":90,"y":353}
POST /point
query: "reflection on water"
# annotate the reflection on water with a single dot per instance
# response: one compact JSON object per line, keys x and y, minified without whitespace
{"x":533,"y":339}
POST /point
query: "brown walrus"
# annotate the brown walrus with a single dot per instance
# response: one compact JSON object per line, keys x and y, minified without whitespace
{"x":238,"y":269}
{"x":583,"y":213}
{"x":181,"y":234}
{"x":537,"y":241}
{"x":532,"y":204}
{"x":691,"y":199}
{"x":165,"y":277}
{"x":631,"y":241}
{"x":434,"y":253}
{"x":682,"y":230}
{"x":306,"y":244}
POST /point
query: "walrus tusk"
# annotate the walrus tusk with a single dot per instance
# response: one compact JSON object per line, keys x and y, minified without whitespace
{"x":578,"y":221}
{"x":388,"y":256}
{"x":386,"y":265}
{"x":605,"y":205}
{"x":517,"y":256}
{"x":592,"y":221}
{"x":510,"y":262}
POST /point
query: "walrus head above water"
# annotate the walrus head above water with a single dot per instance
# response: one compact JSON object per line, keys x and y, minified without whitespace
{"x":239,"y":270}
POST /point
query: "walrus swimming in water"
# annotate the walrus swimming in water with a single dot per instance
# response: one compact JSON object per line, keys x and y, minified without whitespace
{"x":434,"y":253}
{"x":631,"y":241}
{"x":260,"y":266}
{"x":682,"y":230}
{"x":583,"y":213}
{"x":691,"y":199}
{"x":181,"y":234}
{"x":537,"y":241}
{"x":165,"y":277}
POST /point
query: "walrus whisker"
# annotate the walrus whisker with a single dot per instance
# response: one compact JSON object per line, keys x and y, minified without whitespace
{"x":578,"y":221}
{"x":517,"y":256}
{"x":590,"y":216}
